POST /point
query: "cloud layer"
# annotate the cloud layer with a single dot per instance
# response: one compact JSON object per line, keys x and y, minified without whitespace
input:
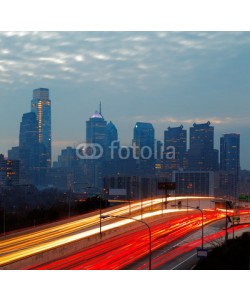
{"x":114,"y":57}
{"x":167,"y":78}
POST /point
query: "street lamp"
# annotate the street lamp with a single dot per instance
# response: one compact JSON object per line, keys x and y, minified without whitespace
{"x":227,"y":203}
{"x":100,"y":216}
{"x":202,"y":233}
{"x":100,"y":206}
{"x":141,"y":221}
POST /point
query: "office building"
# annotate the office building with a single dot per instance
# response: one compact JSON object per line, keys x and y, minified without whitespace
{"x":112,"y":134}
{"x":129,"y":187}
{"x":9,"y":172}
{"x":96,"y":132}
{"x":28,"y":148}
{"x":41,"y":106}
{"x":32,"y":154}
{"x":202,"y":156}
{"x":229,"y":165}
{"x":227,"y":185}
{"x":13,"y":153}
{"x":63,"y":175}
{"x":144,"y":143}
{"x":175,"y":138}
{"x":194,"y":183}
{"x":144,"y":136}
{"x":230,"y":152}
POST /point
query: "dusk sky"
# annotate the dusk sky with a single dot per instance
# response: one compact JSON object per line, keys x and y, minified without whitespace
{"x":167,"y":78}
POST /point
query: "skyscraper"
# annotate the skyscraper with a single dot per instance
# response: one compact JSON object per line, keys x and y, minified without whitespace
{"x":175,"y":137}
{"x":229,"y":166}
{"x":96,"y":131}
{"x":30,"y":150}
{"x":28,"y":134}
{"x":230,"y":152}
{"x":202,"y":156}
{"x":112,"y":134}
{"x":144,"y":140}
{"x":41,"y":106}
{"x":144,"y":135}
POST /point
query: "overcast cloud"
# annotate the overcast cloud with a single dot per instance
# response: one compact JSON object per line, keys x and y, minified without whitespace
{"x":167,"y":78}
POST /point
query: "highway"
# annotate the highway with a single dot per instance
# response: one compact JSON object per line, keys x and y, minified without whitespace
{"x":174,"y":245}
{"x":21,"y":245}
{"x":123,"y":250}
{"x":134,"y":246}
{"x":182,"y":254}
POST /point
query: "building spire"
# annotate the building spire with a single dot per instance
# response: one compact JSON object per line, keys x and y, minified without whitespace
{"x":100,"y":108}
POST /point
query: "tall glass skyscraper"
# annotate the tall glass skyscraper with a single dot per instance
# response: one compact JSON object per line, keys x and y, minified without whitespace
{"x":144,"y":135}
{"x":32,"y":154}
{"x":41,"y":106}
{"x":202,"y":156}
{"x":176,"y":137}
{"x":28,"y":135}
{"x":96,"y":131}
{"x":112,"y":134}
{"x":230,"y":152}
{"x":229,"y":165}
{"x":144,"y":140}
{"x":202,"y":136}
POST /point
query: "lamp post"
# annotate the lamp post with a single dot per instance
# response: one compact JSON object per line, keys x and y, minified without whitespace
{"x":227,"y":203}
{"x":141,"y":221}
{"x":100,"y":217}
{"x":202,"y":232}
{"x":100,"y":206}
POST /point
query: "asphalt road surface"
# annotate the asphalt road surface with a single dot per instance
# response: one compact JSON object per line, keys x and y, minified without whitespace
{"x":180,"y":260}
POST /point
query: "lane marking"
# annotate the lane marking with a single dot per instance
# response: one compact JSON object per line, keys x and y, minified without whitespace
{"x":183,"y":261}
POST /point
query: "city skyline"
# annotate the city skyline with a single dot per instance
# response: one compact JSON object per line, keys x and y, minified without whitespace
{"x":129,"y":143}
{"x":164,"y":78}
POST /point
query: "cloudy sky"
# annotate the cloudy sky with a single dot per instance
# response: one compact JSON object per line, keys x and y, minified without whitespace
{"x":167,"y":78}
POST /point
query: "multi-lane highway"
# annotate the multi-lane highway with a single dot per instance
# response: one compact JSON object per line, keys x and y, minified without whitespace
{"x":115,"y":253}
{"x":174,"y":245}
{"x":183,"y":255}
{"x":22,"y":245}
{"x":121,"y":251}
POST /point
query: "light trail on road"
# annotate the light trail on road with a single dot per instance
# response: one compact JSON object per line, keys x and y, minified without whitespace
{"x":24,"y":245}
{"x":187,"y":247}
{"x":118,"y":252}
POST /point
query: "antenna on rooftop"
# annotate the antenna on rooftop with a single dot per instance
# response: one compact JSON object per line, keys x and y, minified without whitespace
{"x":100,"y":108}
